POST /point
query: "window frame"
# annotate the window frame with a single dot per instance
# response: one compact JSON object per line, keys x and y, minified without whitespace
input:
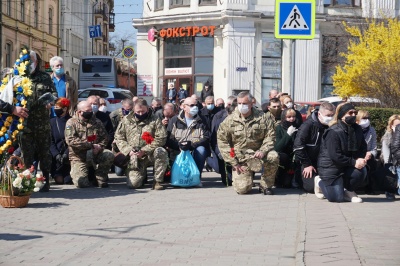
{"x":51,"y":21}
{"x":172,"y":5}
{"x":270,"y":57}
{"x":22,"y":10}
{"x":158,"y":4}
{"x":36,"y":13}
{"x":8,"y":53}
{"x":354,"y":3}
{"x":207,"y":2}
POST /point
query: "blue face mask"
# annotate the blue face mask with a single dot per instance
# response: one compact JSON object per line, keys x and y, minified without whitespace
{"x":59,"y":71}
{"x":193,"y":110}
{"x":210,"y":106}
{"x":95,"y":108}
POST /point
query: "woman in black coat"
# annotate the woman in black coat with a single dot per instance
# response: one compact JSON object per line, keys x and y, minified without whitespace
{"x":341,"y":163}
{"x":60,"y":167}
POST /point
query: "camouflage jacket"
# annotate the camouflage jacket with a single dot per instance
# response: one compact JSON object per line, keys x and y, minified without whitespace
{"x":77,"y":132}
{"x":38,"y":113}
{"x":130,"y":131}
{"x":116,"y":117}
{"x":256,"y":132}
{"x":269,"y":115}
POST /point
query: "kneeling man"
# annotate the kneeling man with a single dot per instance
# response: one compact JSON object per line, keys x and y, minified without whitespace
{"x":87,"y":138}
{"x":141,"y":136}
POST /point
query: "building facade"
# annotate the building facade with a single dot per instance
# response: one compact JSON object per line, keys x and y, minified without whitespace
{"x":231,"y":45}
{"x":28,"y":23}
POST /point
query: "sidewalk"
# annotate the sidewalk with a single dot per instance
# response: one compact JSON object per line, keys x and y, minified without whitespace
{"x":199,"y":226}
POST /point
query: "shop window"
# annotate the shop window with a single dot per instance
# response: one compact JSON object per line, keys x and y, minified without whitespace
{"x":332,"y":47}
{"x":355,"y":3}
{"x":177,"y":3}
{"x":159,"y":4}
{"x":207,"y":2}
{"x":22,"y":10}
{"x":271,"y":71}
{"x":178,"y":47}
{"x":204,"y":46}
{"x":8,"y":54}
{"x":203,"y":65}
{"x":178,"y":62}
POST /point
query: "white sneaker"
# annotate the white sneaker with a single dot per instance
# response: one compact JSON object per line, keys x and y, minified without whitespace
{"x":351,"y":196}
{"x":317,"y":189}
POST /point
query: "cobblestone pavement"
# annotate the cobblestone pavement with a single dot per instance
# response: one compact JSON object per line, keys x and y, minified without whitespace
{"x":198,"y":226}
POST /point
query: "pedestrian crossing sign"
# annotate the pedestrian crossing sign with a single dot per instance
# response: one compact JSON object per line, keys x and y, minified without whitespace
{"x":295,"y":19}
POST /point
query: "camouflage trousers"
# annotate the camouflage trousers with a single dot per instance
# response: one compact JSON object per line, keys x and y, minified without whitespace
{"x":101,"y":163}
{"x":35,"y":146}
{"x":137,"y":170}
{"x":243,"y":183}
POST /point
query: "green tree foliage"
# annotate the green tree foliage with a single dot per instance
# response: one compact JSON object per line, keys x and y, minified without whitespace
{"x":372,"y":63}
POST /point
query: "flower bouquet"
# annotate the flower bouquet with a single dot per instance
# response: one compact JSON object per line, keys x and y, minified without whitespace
{"x":17,"y":183}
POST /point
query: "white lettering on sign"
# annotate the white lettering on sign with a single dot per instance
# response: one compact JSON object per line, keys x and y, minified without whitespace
{"x":178,"y":71}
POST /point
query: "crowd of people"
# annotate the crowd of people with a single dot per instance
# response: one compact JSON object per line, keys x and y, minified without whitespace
{"x":333,"y":153}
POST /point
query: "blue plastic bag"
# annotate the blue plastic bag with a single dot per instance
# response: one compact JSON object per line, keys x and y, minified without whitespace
{"x":184,"y":171}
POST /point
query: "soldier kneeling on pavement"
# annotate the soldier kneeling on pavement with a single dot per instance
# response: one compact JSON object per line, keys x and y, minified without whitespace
{"x":141,"y":136}
{"x":87,"y":138}
{"x":246,"y":141}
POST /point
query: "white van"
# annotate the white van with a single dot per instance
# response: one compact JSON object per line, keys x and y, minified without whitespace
{"x":356,"y":100}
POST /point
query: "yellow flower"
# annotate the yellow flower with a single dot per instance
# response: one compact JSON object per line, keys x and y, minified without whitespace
{"x":21,"y":69}
{"x":28,"y":92}
{"x":23,"y":102}
{"x":20,"y":127}
{"x":14,"y":133}
{"x":2,"y":87}
{"x":1,"y":133}
{"x":17,"y":60}
{"x":1,"y":150}
{"x":21,"y":120}
{"x":7,"y":124}
{"x":26,"y":82}
{"x":24,"y":51}
{"x":8,"y":142}
{"x":15,"y":100}
{"x":5,"y":80}
{"x":4,"y":129}
{"x":9,"y":118}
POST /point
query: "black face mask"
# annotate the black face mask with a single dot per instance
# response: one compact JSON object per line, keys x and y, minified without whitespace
{"x":221,"y":106}
{"x":87,"y":115}
{"x":141,"y":117}
{"x":58,"y":112}
{"x":157,"y":108}
{"x":350,"y":119}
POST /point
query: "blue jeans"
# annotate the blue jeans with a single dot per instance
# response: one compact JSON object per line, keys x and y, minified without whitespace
{"x":200,"y":155}
{"x":351,"y":179}
{"x":398,"y":179}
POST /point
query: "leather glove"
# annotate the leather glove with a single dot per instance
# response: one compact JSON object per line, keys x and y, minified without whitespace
{"x":291,"y":130}
{"x":185,"y":146}
{"x":65,"y":159}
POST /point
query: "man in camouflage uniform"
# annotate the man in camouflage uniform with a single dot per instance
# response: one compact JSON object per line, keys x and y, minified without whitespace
{"x":251,"y":135}
{"x":35,"y":139}
{"x":130,"y":137}
{"x":83,"y":153}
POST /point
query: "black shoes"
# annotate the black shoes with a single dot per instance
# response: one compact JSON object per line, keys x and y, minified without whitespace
{"x":266,"y":191}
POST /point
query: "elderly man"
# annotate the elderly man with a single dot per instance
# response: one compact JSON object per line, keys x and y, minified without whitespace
{"x":188,"y":131}
{"x":274,"y":94}
{"x":117,"y":115}
{"x":104,"y":118}
{"x":246,"y":141}
{"x":220,"y":103}
{"x":35,"y":138}
{"x":210,"y":110}
{"x":87,"y":138}
{"x":141,"y":136}
{"x":166,"y":113}
{"x":65,"y":85}
{"x":156,"y":105}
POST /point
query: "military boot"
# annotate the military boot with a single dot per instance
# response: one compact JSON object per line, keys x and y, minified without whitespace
{"x":266,"y":190}
{"x":157,"y":186}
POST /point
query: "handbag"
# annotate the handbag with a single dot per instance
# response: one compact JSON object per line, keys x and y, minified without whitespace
{"x":184,"y":171}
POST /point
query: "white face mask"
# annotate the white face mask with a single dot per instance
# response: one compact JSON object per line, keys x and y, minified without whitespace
{"x":289,"y":105}
{"x":103,"y":109}
{"x":243,"y":108}
{"x":364,"y":123}
{"x":325,"y":120}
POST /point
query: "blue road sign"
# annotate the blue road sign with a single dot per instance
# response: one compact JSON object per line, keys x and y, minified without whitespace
{"x":295,"y":19}
{"x":95,"y":31}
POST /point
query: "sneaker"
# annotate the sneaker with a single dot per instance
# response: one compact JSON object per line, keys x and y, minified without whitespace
{"x":351,"y":197}
{"x":390,"y":196}
{"x":317,"y":189}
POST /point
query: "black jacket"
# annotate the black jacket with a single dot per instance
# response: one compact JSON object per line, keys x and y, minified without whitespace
{"x":106,"y":120}
{"x":395,"y":145}
{"x":334,"y":156}
{"x":177,"y":130}
{"x":208,"y":115}
{"x":216,"y":121}
{"x":6,"y":107}
{"x":308,"y":141}
{"x":58,"y":144}
{"x":205,"y":93}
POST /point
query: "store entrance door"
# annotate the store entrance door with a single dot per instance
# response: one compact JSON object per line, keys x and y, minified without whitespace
{"x":185,"y":82}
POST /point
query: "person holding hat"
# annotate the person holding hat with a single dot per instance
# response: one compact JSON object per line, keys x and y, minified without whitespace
{"x":341,"y":163}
